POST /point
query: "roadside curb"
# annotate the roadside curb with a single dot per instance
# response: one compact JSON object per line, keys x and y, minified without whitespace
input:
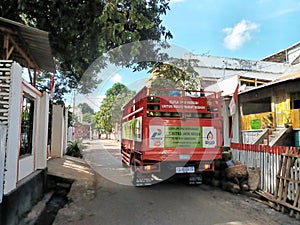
{"x":82,"y":190}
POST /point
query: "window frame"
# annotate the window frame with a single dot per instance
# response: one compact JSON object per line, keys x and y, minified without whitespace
{"x":32,"y":118}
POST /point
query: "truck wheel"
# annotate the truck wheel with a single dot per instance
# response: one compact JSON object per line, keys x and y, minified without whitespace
{"x":133,"y":172}
{"x":134,"y":178}
{"x":124,"y":164}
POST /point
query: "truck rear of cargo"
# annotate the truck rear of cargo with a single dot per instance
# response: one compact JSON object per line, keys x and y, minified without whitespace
{"x":167,"y":132}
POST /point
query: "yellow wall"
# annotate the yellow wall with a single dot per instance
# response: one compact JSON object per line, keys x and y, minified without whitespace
{"x":295,"y":118}
{"x":264,"y":117}
{"x":293,"y":115}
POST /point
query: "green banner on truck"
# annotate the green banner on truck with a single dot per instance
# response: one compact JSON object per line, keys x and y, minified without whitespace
{"x":182,"y":137}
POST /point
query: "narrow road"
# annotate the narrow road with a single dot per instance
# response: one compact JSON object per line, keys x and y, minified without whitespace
{"x":169,"y":202}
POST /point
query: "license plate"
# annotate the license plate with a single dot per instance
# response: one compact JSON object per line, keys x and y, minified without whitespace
{"x":189,"y":169}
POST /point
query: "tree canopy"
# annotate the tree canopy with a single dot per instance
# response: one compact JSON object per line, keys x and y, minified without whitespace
{"x":85,"y":108}
{"x":177,"y":73}
{"x":81,"y":31}
{"x":111,"y":107}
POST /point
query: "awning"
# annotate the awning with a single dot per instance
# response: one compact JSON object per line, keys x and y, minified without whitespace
{"x":26,"y":45}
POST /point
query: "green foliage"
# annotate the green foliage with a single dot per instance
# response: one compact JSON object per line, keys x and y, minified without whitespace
{"x":85,"y":108}
{"x":122,"y":98}
{"x":110,"y":109}
{"x":60,"y":88}
{"x":71,"y":119}
{"x":179,"y":73}
{"x":74,"y":149}
{"x":81,"y":31}
{"x":87,"y":117}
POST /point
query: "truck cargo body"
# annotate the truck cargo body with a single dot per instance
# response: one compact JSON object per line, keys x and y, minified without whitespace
{"x":167,"y":132}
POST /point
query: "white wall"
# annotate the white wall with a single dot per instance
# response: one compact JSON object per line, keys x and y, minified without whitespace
{"x":221,"y":67}
{"x":225,"y":113}
{"x":57,"y":138}
{"x":2,"y":158}
{"x":26,"y":167}
{"x":13,"y":132}
{"x":38,"y":159}
{"x":227,"y":86}
{"x":293,"y":54}
{"x":16,"y":167}
{"x":65,"y":134}
{"x":42,"y":131}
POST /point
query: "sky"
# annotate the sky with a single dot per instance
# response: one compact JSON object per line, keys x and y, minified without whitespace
{"x":225,"y":28}
{"x":234,"y":28}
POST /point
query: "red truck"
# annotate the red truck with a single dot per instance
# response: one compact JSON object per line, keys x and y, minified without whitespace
{"x":167,"y":132}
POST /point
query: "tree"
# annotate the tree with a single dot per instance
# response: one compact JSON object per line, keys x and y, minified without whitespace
{"x":178,"y":73}
{"x":123,"y":97}
{"x":85,"y":108}
{"x":87,"y":118}
{"x":81,"y":31}
{"x":110,"y":109}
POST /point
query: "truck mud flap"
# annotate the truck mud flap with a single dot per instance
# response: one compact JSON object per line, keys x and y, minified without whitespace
{"x":195,"y":179}
{"x":141,"y":179}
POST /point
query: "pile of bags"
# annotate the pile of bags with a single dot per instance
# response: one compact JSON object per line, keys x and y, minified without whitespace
{"x":232,"y":175}
{"x":236,"y":177}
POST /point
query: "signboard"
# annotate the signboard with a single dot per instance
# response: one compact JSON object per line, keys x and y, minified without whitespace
{"x":255,"y":124}
{"x":132,"y":130}
{"x":182,"y":137}
{"x":2,"y":157}
{"x":156,"y":134}
{"x":189,"y":104}
{"x":209,"y":135}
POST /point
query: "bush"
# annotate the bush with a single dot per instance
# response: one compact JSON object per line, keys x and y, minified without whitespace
{"x":74,"y":149}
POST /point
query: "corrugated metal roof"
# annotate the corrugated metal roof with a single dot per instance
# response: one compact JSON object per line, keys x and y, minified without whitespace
{"x":290,"y":76}
{"x":281,"y":79}
{"x":34,"y":42}
{"x":280,"y":56}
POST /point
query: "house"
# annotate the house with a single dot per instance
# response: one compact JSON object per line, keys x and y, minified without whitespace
{"x":271,"y":109}
{"x":23,"y":118}
{"x":269,"y":114}
{"x":267,"y":130}
{"x":229,"y":73}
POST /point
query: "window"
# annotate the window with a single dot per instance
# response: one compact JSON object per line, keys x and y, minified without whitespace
{"x":27,"y":126}
{"x":296,"y":104}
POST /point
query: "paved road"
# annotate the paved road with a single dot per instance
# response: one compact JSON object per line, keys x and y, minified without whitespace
{"x":171,"y":202}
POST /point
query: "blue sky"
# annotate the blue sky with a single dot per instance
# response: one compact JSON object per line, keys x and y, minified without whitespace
{"x":226,"y":28}
{"x":234,"y":28}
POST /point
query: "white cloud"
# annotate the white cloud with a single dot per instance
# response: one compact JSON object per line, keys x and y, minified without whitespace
{"x":116,"y":78}
{"x":283,"y":12}
{"x":238,"y":35}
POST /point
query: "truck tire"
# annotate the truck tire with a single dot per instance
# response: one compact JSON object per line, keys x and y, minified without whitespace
{"x":124,"y":164}
{"x":134,"y":178}
{"x":133,"y":172}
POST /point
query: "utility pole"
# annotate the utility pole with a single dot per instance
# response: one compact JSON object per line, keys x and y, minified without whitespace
{"x":73,"y":127}
{"x":74,"y":102}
